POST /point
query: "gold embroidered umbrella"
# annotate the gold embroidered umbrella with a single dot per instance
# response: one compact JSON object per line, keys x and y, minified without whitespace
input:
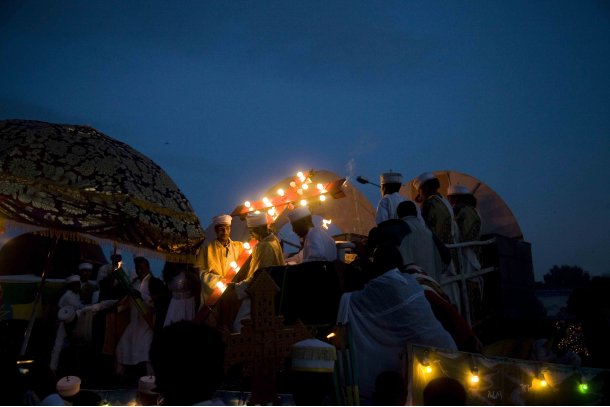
{"x":74,"y":179}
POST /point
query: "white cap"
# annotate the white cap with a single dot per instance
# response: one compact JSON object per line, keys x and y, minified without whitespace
{"x":458,"y":190}
{"x":390,"y":178}
{"x":298,"y":213}
{"x":222,"y":220}
{"x":68,"y":386}
{"x":66,"y":313}
{"x":73,"y":279}
{"x":256,"y":219}
{"x":85,"y":266}
{"x":426,"y":176}
{"x":313,"y":355}
{"x":147,"y":385}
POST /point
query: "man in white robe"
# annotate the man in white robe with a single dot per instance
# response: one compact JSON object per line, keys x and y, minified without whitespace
{"x":389,"y":313}
{"x":390,"y":196}
{"x":134,"y":345}
{"x":418,"y":246}
{"x":317,"y":244}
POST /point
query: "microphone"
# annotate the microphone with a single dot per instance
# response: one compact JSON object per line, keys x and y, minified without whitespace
{"x":363,"y":180}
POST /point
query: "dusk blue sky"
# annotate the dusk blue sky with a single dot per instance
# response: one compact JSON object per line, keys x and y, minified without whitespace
{"x":230,"y":97}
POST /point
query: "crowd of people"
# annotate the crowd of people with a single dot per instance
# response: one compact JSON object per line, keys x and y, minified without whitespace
{"x":133,"y":323}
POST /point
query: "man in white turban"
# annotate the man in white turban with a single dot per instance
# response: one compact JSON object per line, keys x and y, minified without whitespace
{"x":216,"y":257}
{"x":390,"y":196}
{"x":317,"y":244}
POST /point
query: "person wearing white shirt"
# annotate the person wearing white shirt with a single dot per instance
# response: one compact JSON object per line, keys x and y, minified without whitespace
{"x":317,"y":244}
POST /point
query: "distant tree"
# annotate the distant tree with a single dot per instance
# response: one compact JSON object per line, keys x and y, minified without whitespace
{"x":566,"y":277}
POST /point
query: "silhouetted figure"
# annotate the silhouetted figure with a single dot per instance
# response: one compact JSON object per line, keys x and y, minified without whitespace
{"x":188,"y":361}
{"x":390,"y":389}
{"x":444,"y":391}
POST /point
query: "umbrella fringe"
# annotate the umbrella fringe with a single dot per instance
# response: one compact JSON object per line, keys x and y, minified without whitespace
{"x":14,"y":227}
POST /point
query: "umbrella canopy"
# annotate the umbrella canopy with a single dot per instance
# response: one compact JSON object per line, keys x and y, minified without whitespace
{"x":496,"y":216}
{"x":27,"y":253}
{"x":72,"y":178}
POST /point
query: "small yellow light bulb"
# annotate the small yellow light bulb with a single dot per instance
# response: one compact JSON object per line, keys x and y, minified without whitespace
{"x":322,"y":198}
{"x":320,"y":187}
{"x":280,"y":192}
{"x":246,"y":245}
{"x":247,"y":204}
{"x":303,"y":202}
{"x":305,"y":186}
{"x":233,"y":264}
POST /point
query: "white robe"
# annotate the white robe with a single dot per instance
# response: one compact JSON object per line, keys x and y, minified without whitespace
{"x":319,"y":246}
{"x":389,"y":313}
{"x":386,"y":208}
{"x":182,"y":305}
{"x":134,"y":345}
{"x":418,"y":247}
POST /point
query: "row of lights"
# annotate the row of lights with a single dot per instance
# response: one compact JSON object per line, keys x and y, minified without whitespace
{"x":300,"y":184}
{"x":538,"y":382}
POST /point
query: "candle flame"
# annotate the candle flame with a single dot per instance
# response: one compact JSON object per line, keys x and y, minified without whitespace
{"x":330,"y":335}
{"x":280,"y":192}
{"x":326,"y":222}
{"x":247,"y":204}
{"x":303,"y":202}
{"x":266,"y":201}
{"x":246,"y":245}
{"x":320,"y":187}
{"x":305,"y":186}
{"x":322,"y":198}
{"x":233,"y":264}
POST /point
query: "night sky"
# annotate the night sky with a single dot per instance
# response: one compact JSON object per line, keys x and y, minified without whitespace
{"x":230,"y":97}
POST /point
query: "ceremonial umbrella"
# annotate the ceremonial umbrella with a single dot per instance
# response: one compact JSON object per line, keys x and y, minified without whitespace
{"x":496,"y":216}
{"x":73,"y":179}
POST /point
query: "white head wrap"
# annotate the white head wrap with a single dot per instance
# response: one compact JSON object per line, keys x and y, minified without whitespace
{"x":222,"y":220}
{"x":390,"y":178}
{"x":298,"y":213}
{"x":426,"y":176}
{"x":85,"y":266}
{"x":146,"y":385}
{"x":458,"y":190}
{"x":256,"y":219}
{"x":313,"y":355}
{"x":68,"y":386}
{"x":73,"y":279}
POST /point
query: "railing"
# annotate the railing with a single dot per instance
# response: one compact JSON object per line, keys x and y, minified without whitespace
{"x":462,"y":277}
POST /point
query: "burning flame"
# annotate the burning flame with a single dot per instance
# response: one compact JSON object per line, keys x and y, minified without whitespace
{"x":326,"y":222}
{"x":221,"y":286}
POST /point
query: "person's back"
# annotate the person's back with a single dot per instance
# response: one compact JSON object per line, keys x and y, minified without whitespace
{"x":179,"y":351}
{"x":444,"y":391}
{"x":390,"y":312}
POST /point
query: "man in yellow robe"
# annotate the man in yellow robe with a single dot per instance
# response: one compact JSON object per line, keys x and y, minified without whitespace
{"x":216,"y":257}
{"x":268,"y":251}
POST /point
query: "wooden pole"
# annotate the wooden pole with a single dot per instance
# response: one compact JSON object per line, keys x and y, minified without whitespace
{"x":45,"y":272}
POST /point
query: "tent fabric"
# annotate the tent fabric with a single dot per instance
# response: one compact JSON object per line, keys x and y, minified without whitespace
{"x":496,"y":216}
{"x":76,"y":179}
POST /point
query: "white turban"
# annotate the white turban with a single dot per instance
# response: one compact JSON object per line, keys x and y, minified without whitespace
{"x":222,"y":220}
{"x":73,"y":279}
{"x":68,"y":386}
{"x":426,"y":176}
{"x":390,"y":178}
{"x":458,"y":190}
{"x":85,"y":266}
{"x":256,"y":219}
{"x":313,"y":355}
{"x":298,"y":213}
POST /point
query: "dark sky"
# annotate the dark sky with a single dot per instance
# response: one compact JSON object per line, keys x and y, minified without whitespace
{"x":229,"y":97}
